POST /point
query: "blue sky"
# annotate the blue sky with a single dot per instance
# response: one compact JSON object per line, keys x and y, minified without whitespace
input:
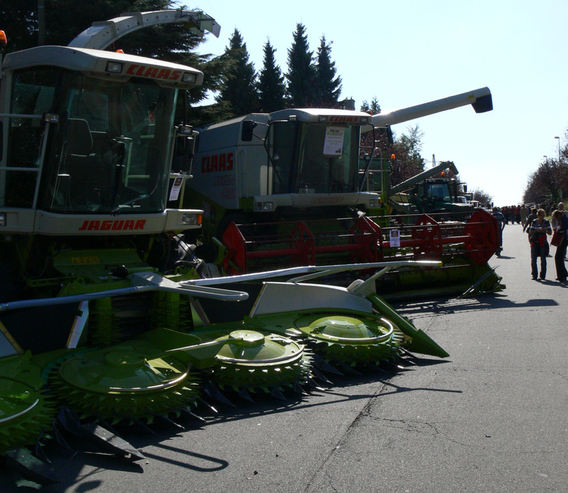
{"x":406,"y":52}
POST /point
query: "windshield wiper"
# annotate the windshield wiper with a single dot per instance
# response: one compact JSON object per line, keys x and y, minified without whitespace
{"x":130,"y":202}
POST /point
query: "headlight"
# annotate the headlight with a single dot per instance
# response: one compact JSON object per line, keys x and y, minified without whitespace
{"x":188,"y":77}
{"x":188,"y":219}
{"x":114,"y":67}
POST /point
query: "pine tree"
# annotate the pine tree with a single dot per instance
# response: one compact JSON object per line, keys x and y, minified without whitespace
{"x":301,"y":71}
{"x":64,"y":19}
{"x":374,"y":107}
{"x":271,"y":82}
{"x":238,"y":86}
{"x":328,"y":85}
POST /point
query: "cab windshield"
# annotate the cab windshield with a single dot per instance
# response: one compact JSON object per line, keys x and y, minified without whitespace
{"x":109,"y":150}
{"x":440,"y":191}
{"x":314,"y":158}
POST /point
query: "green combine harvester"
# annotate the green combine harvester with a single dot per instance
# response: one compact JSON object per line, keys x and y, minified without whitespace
{"x":298,"y":187}
{"x":104,"y":316}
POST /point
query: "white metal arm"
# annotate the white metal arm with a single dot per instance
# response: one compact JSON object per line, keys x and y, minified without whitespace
{"x":102,"y":34}
{"x":480,"y":99}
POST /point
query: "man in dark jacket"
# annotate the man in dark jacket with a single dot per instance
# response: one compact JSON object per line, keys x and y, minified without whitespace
{"x":497,"y":214}
{"x":560,"y":254}
{"x":530,"y":217}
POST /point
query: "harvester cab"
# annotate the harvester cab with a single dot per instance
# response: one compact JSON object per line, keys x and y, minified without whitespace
{"x":439,"y":194}
{"x":437,"y":189}
{"x":89,"y":183}
{"x":87,"y":139}
{"x":281,"y":163}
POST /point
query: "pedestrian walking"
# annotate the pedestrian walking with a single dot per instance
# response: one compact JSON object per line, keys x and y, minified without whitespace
{"x":524,"y":214}
{"x":557,"y":214}
{"x":530,"y":218}
{"x":560,"y":221}
{"x":497,"y":214}
{"x":537,"y":231}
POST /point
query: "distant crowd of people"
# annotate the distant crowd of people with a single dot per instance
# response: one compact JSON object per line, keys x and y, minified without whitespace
{"x":513,"y":213}
{"x":518,"y":213}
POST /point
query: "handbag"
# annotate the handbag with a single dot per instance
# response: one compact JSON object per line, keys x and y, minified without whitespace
{"x":556,"y":238}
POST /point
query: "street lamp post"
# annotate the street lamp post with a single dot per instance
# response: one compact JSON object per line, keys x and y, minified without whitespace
{"x":560,"y":191}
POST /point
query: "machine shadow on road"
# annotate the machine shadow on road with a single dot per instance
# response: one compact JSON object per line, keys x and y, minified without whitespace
{"x":320,"y":397}
{"x":456,"y":305}
{"x":213,"y":463}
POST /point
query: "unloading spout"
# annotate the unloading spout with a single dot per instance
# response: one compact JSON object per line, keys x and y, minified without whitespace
{"x":480,"y":99}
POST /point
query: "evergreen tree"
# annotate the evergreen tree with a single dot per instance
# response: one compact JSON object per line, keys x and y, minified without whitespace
{"x":374,"y":107}
{"x":328,"y":84}
{"x":271,"y":82}
{"x":64,"y":19}
{"x":238,"y":92}
{"x":301,"y":73}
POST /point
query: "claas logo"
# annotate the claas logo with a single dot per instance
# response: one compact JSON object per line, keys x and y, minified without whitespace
{"x":153,"y":72}
{"x":217,"y":162}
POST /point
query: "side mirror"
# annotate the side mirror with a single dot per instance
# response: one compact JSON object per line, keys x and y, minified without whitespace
{"x":247,"y":130}
{"x":184,"y":149}
{"x":188,"y":154}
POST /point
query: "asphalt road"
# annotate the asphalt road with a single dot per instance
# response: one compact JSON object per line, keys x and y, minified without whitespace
{"x":490,"y":418}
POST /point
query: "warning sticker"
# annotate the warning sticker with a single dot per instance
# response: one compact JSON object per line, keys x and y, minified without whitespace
{"x":174,"y":191}
{"x":394,"y":238}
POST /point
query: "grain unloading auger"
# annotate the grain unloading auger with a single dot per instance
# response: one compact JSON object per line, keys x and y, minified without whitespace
{"x":101,"y":320}
{"x":285,"y":188}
